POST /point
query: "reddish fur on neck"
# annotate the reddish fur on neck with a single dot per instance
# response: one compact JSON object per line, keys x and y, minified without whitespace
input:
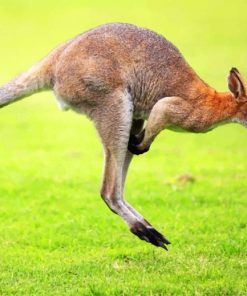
{"x":209,"y":107}
{"x":222,"y":105}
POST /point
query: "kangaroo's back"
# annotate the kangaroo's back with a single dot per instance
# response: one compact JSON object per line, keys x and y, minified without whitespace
{"x":103,"y":59}
{"x":122,"y":55}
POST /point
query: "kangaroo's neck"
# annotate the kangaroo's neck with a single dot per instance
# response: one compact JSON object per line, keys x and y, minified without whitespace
{"x":211,"y":108}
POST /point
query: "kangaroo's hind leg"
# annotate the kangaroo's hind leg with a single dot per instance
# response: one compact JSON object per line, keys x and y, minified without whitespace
{"x":136,"y":128}
{"x":113,"y":123}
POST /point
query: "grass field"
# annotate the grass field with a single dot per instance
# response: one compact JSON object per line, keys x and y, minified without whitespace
{"x":57,"y":237}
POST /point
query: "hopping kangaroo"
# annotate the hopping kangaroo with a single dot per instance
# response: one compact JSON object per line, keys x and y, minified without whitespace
{"x":120,"y":75}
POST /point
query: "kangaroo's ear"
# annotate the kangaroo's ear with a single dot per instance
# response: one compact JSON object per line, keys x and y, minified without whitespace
{"x":236,"y":84}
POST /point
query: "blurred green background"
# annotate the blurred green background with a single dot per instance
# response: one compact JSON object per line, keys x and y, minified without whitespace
{"x":56,"y":235}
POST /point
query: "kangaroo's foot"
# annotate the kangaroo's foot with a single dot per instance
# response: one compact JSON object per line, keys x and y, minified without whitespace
{"x":133,"y":145}
{"x":146,"y":232}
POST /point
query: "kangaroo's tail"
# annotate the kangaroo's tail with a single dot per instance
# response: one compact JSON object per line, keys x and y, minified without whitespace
{"x":37,"y":78}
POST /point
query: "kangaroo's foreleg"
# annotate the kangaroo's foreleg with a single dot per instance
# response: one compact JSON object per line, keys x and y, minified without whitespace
{"x":167,"y":111}
{"x":115,"y":140}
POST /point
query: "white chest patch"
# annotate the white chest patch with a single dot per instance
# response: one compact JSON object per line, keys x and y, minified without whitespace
{"x":61,"y":104}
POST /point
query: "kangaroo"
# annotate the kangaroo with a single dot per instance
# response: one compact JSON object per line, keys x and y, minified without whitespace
{"x":120,"y":75}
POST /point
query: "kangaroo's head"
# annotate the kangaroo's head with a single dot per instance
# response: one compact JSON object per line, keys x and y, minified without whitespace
{"x":238,"y":88}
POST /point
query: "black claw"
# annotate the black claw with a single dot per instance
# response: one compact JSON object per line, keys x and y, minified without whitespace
{"x":164,"y":247}
{"x":150,"y":235}
{"x":161,"y":237}
{"x":134,"y":141}
{"x":135,"y":150}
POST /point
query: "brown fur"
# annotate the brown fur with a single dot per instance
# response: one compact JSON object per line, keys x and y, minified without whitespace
{"x":120,"y":75}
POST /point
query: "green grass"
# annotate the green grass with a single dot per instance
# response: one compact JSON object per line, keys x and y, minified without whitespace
{"x":57,"y":237}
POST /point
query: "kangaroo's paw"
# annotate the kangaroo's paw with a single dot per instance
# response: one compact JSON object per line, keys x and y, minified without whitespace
{"x":134,"y":141}
{"x":149,"y":234}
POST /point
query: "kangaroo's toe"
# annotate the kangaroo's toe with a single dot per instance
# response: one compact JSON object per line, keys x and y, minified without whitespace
{"x":150,"y":235}
{"x":133,"y":145}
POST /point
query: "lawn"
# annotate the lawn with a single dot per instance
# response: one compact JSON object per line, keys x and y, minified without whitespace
{"x":57,"y":237}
